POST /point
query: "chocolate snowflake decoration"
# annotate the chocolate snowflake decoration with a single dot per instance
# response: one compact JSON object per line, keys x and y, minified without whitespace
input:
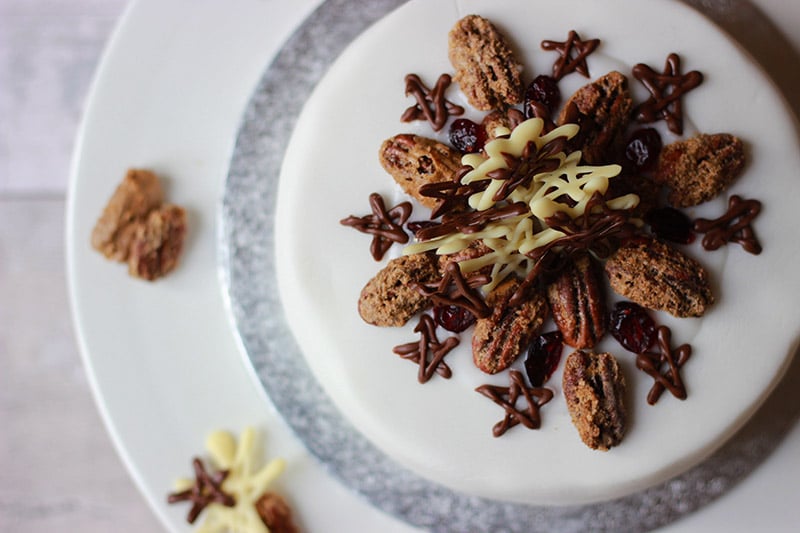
{"x":207,"y":489}
{"x":573,"y":53}
{"x":664,"y":366}
{"x":519,"y":171}
{"x":666,"y":91}
{"x":506,"y":397}
{"x":734,"y":226}
{"x":386,"y":227}
{"x":598,"y":230}
{"x":431,"y":104}
{"x":428,"y":352}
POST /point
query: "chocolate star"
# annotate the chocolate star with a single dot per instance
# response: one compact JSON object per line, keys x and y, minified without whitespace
{"x":734,"y":226}
{"x":385,"y":226}
{"x":521,"y":170}
{"x":506,"y":397}
{"x":431,"y":104}
{"x":207,"y":489}
{"x":428,"y":344}
{"x":569,"y":62}
{"x":453,"y":289}
{"x":666,"y":90}
{"x":670,"y":379}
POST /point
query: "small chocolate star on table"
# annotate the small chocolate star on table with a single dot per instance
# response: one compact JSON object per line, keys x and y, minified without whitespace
{"x":573,"y":52}
{"x":207,"y":489}
{"x":506,"y":397}
{"x":386,"y":227}
{"x":666,"y":90}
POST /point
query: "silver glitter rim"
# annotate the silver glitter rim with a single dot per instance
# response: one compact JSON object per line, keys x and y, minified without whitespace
{"x":247,"y":272}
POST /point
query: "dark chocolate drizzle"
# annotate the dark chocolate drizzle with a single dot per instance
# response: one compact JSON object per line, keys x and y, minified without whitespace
{"x":427,"y":347}
{"x":666,"y":90}
{"x":521,"y":170}
{"x":669,"y":378}
{"x":207,"y":489}
{"x":431,"y":104}
{"x":734,"y":226}
{"x":452,"y":195}
{"x":568,"y":61}
{"x":506,"y":397}
{"x":386,"y":227}
{"x":454,"y":289}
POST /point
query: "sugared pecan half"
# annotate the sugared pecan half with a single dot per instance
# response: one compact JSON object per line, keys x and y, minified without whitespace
{"x":500,"y":338}
{"x":577,"y":303}
{"x":658,"y":276}
{"x":594,"y":388}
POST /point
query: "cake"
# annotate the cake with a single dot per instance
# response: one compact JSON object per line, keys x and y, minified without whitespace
{"x":442,"y":430}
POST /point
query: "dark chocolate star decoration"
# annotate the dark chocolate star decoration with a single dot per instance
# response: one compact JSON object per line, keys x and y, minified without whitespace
{"x":207,"y":489}
{"x":519,"y":171}
{"x":670,"y":377}
{"x":453,"y":289}
{"x":734,"y":226}
{"x":431,"y":104}
{"x":506,"y":397}
{"x":386,"y":227}
{"x":427,"y":347}
{"x":666,"y":90}
{"x":574,"y":52}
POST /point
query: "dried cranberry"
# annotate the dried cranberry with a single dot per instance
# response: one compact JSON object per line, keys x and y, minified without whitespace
{"x":670,"y":224}
{"x":642,"y":150}
{"x":544,"y":90}
{"x":632,"y":327}
{"x":544,"y":354}
{"x":453,"y":318}
{"x":467,"y":136}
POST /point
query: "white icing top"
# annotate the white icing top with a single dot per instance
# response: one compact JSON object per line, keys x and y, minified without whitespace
{"x":442,"y":430}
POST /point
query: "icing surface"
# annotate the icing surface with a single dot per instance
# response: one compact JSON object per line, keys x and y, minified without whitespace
{"x":442,"y":430}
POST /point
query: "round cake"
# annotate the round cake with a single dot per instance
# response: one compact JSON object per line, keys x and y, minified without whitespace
{"x":442,"y":427}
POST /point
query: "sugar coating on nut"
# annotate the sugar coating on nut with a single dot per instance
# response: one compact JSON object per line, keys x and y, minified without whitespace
{"x":139,"y":193}
{"x":390,"y":299}
{"x":699,"y":168}
{"x":413,"y":161}
{"x":658,"y":276}
{"x":486,"y":69}
{"x":594,"y":388}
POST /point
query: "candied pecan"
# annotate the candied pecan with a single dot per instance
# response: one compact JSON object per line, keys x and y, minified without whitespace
{"x":157,"y":243}
{"x":389,"y":299}
{"x":602,"y":109}
{"x":139,"y":193}
{"x":413,"y":161}
{"x":500,"y":338}
{"x":698,"y":169}
{"x":577,"y":303}
{"x":594,"y":388}
{"x":275,"y":513}
{"x":658,"y":276}
{"x":486,"y":69}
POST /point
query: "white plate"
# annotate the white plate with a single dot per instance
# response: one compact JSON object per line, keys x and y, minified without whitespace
{"x":164,"y":365}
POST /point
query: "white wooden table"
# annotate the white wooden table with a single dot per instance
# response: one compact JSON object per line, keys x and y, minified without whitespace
{"x":58,"y":471}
